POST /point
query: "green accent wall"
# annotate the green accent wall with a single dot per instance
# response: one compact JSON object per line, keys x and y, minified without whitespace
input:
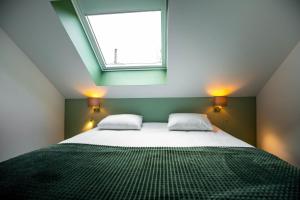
{"x":238,"y":118}
{"x":68,"y":17}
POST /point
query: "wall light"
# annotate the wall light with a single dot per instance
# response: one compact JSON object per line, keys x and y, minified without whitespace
{"x":94,"y":103}
{"x":219,"y":102}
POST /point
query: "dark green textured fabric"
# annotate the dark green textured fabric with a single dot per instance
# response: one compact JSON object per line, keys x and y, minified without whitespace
{"x":78,"y":171}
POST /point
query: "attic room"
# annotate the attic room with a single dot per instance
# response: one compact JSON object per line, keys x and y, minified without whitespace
{"x":150,"y":99}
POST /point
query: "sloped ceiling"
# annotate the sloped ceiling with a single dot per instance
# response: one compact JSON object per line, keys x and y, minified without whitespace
{"x":230,"y":46}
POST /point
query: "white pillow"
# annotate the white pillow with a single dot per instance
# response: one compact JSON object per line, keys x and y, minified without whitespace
{"x":121,"y":122}
{"x":189,"y":122}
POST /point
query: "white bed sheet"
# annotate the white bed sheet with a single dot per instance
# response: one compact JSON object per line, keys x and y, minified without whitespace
{"x":157,"y":135}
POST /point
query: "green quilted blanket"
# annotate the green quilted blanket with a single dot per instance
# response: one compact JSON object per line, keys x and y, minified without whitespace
{"x":78,"y":171}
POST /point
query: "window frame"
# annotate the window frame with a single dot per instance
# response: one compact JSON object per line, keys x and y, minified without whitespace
{"x":97,"y":50}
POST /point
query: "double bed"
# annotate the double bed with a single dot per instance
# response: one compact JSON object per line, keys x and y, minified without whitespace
{"x":157,"y":135}
{"x":151,"y":163}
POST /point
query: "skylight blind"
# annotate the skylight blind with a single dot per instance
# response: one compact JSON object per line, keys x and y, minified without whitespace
{"x":94,"y":7}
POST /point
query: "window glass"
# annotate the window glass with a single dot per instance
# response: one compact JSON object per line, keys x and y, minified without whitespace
{"x":128,"y":39}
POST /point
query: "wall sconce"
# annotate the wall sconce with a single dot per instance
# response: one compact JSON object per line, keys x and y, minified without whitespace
{"x":219,"y":102}
{"x":94,"y":103}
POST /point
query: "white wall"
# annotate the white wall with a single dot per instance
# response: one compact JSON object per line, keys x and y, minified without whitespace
{"x":31,"y":109}
{"x":215,"y":47}
{"x":278,"y":111}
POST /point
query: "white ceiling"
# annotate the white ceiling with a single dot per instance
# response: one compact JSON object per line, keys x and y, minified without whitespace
{"x":233,"y":44}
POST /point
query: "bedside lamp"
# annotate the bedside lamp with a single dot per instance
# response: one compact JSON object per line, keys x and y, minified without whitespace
{"x":219,"y":102}
{"x":94,"y":103}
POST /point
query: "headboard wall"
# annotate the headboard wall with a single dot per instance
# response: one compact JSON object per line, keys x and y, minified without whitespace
{"x":238,"y":118}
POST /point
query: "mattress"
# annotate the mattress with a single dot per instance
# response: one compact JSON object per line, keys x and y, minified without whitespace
{"x":157,"y":135}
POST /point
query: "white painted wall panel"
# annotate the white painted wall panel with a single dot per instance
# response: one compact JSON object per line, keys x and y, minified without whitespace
{"x":278,"y":111}
{"x":31,"y":109}
{"x":231,"y":44}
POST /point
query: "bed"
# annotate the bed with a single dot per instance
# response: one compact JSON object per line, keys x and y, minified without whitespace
{"x":157,"y":135}
{"x":152,"y":163}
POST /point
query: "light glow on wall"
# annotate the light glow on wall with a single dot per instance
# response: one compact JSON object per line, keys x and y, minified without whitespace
{"x":221,"y":90}
{"x":97,"y":92}
{"x":273,"y":144}
{"x":88,"y":125}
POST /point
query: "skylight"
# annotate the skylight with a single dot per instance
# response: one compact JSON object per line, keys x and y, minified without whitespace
{"x":128,"y":40}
